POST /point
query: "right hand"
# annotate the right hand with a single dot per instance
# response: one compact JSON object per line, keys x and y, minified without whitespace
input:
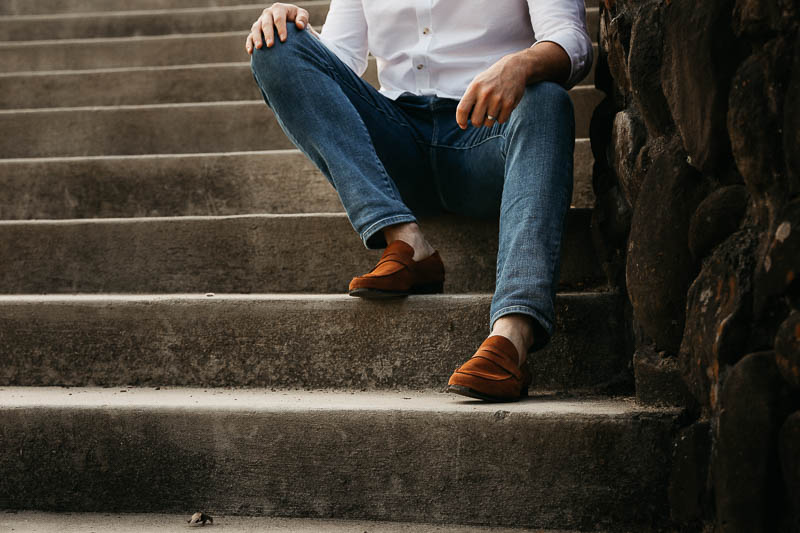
{"x":275,"y":16}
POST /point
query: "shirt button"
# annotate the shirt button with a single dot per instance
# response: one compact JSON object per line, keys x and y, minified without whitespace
{"x":426,"y":31}
{"x":420,"y":67}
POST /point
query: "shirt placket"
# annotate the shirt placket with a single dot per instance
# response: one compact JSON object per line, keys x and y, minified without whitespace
{"x":420,"y":57}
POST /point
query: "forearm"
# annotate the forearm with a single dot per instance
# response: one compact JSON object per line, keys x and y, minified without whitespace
{"x":546,"y":61}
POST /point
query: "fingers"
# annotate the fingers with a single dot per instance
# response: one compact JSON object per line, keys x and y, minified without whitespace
{"x":255,"y":34}
{"x":279,"y":19}
{"x":505,"y":113}
{"x":275,"y":18}
{"x":465,"y":107}
{"x":493,"y":112}
{"x":301,"y":18}
{"x":478,"y":117}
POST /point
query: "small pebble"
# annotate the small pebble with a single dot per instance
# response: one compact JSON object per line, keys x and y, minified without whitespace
{"x":209,"y":294}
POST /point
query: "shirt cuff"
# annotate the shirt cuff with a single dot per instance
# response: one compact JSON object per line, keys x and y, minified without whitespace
{"x":578,"y":46}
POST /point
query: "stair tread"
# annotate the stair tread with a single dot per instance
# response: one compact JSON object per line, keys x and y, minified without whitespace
{"x":248,"y":253}
{"x":289,"y":340}
{"x":265,"y":400}
{"x":26,"y":7}
{"x":547,"y":462}
{"x":40,"y":522}
{"x":161,"y":128}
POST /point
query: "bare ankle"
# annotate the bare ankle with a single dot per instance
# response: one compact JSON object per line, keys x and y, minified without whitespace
{"x":517,"y":328}
{"x":411,"y":234}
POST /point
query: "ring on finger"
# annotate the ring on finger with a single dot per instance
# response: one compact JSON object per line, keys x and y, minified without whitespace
{"x":490,"y":117}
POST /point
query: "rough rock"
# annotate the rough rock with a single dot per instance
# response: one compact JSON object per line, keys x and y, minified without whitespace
{"x":718,"y":312}
{"x":688,"y":484}
{"x":791,"y":124}
{"x":717,"y":217}
{"x":746,"y":465}
{"x":756,"y":101}
{"x":659,"y":380}
{"x":778,"y":274}
{"x":617,"y":32}
{"x":611,"y":217}
{"x":787,"y":350}
{"x":759,"y":18}
{"x":700,"y":55}
{"x":627,"y":139}
{"x":659,"y":266}
{"x":644,"y":68}
{"x":789,"y":447}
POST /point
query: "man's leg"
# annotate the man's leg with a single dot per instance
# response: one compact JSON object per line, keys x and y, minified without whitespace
{"x":523,"y":171}
{"x":357,"y":137}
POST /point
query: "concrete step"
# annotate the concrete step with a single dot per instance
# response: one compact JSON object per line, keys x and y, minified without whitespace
{"x":216,"y":82}
{"x":125,"y":52}
{"x":42,"y":522}
{"x":317,"y":253}
{"x":139,"y":85}
{"x":79,"y":54}
{"x":150,"y":22}
{"x":162,"y":22}
{"x":49,"y":7}
{"x":170,"y":128}
{"x":290,"y":341}
{"x":277,"y":182}
{"x":544,"y":463}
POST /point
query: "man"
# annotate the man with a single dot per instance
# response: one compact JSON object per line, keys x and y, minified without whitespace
{"x":501,"y":66}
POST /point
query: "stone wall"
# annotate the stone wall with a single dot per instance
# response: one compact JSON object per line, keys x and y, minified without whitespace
{"x":697,"y":180}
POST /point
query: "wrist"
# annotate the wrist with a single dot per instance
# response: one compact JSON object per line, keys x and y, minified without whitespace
{"x":527,"y":62}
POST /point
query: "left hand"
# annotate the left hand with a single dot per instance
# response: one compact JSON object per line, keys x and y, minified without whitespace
{"x":494,"y":92}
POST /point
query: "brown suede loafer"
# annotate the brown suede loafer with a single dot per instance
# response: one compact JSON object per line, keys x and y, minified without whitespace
{"x":492,"y":374}
{"x":397,"y":274}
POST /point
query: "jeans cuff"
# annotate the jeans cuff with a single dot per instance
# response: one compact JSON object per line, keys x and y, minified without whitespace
{"x":373,"y":238}
{"x":543,"y":328}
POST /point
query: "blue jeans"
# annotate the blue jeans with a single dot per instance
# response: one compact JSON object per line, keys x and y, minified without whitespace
{"x":391,"y":160}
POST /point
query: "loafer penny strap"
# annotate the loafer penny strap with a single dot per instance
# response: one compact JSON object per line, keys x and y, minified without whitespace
{"x":500,"y":360}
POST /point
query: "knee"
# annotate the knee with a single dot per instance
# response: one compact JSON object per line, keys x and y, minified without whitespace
{"x":273,"y":63}
{"x":545,"y":99}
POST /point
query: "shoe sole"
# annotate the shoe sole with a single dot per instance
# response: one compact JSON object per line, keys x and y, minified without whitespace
{"x":378,"y":294}
{"x":472,"y":393}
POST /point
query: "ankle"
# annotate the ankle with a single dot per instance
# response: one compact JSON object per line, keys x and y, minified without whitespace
{"x":517,"y":328}
{"x":411,"y":234}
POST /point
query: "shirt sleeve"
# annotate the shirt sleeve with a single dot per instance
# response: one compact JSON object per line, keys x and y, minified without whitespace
{"x":345,"y":33}
{"x":564,"y":22}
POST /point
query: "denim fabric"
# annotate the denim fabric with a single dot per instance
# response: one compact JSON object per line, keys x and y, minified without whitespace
{"x":391,"y":160}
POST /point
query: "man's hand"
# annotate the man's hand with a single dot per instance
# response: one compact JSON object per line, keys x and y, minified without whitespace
{"x":496,"y":91}
{"x":275,"y":16}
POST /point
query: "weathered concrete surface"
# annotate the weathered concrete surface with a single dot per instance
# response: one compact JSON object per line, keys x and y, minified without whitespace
{"x":152,"y":129}
{"x":127,"y":52}
{"x":141,"y":51}
{"x":42,"y":522}
{"x":214,"y":82}
{"x":250,"y":253}
{"x":162,"y":22}
{"x":137,"y":23}
{"x":47,"y":7}
{"x":545,"y":462}
{"x":277,"y":181}
{"x":167,"y":128}
{"x":301,"y":341}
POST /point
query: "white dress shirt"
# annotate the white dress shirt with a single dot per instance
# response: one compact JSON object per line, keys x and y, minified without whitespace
{"x":436,"y":47}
